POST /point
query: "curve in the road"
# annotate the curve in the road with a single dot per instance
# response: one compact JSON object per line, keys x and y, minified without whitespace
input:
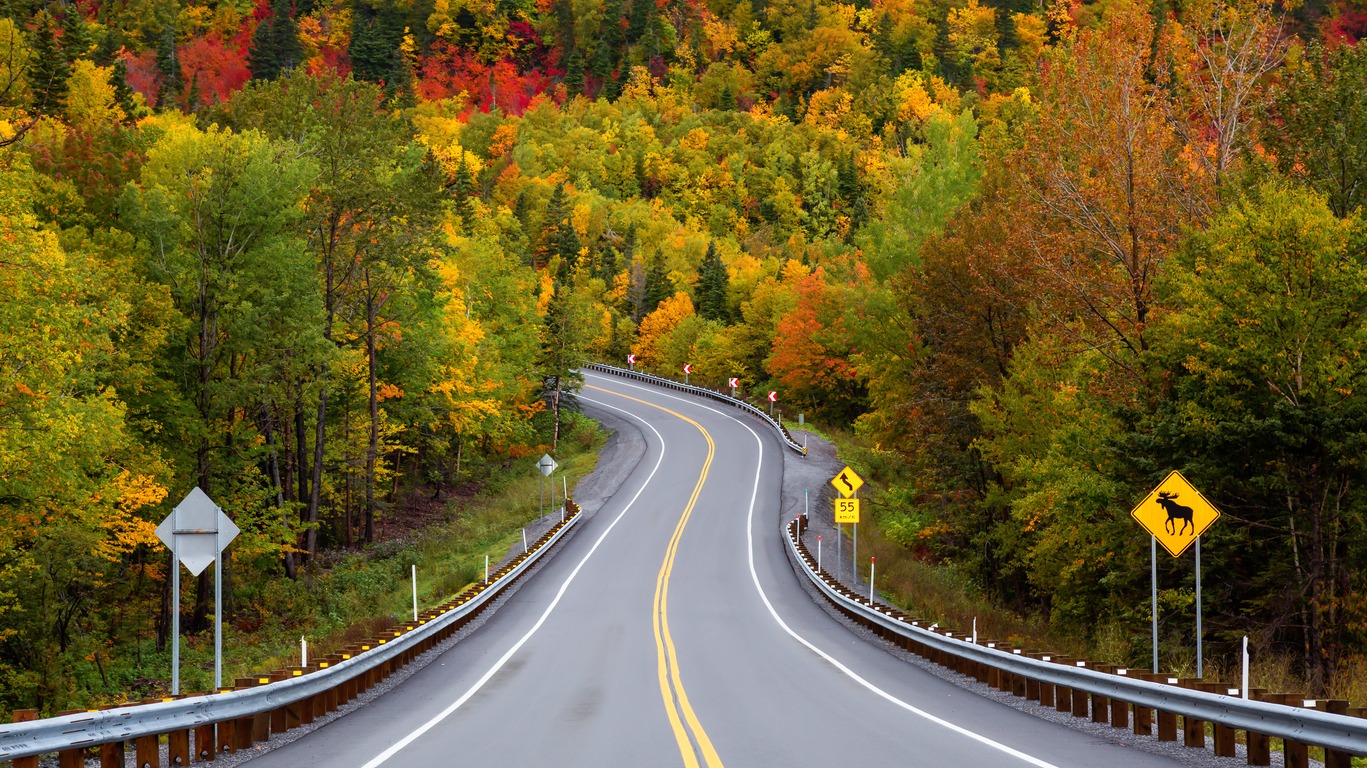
{"x":764,"y":597}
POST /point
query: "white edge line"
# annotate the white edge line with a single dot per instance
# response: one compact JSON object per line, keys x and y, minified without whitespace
{"x":750,"y":544}
{"x":384,"y":756}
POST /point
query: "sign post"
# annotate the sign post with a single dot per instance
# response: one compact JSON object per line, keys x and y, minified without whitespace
{"x":687,"y":370}
{"x":1175,"y":514}
{"x":631,"y":361}
{"x":733,"y":381}
{"x":773,"y":398}
{"x":197,"y":532}
{"x":847,"y":483}
{"x":547,"y":465}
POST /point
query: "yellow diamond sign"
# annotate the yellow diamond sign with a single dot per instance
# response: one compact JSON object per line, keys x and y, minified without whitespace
{"x":847,"y":482}
{"x":1175,"y":513}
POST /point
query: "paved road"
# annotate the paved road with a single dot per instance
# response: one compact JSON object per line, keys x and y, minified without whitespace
{"x":671,"y":630}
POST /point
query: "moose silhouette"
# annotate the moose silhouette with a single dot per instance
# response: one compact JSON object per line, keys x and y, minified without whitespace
{"x":1175,"y":512}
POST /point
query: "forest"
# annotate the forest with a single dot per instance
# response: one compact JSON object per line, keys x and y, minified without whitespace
{"x":323,"y":257}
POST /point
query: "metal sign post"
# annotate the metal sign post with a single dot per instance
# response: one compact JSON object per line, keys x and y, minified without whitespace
{"x":547,"y":465}
{"x":1199,"y":666}
{"x":1175,"y":514}
{"x":175,"y":609}
{"x":197,"y":532}
{"x":1153,"y":574}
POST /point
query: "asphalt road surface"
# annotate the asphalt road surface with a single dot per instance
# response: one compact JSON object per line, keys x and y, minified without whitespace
{"x":672,"y":630}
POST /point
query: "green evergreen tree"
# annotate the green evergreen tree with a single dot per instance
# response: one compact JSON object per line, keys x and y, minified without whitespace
{"x":657,"y":287}
{"x":548,"y":241}
{"x":192,"y":95}
{"x":574,"y":74}
{"x":713,"y":281}
{"x":607,"y":265}
{"x":641,"y":13}
{"x":168,"y":65}
{"x":462,"y":193}
{"x":374,"y":46}
{"x":123,"y":94}
{"x":275,"y":48}
{"x":48,"y":75}
{"x":76,"y":40}
{"x":567,"y":246}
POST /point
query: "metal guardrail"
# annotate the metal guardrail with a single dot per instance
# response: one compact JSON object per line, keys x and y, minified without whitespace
{"x":1106,"y":693}
{"x":702,"y":392}
{"x":1112,"y":693}
{"x":265,"y":707}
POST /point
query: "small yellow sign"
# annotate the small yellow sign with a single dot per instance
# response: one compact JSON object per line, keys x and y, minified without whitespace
{"x":847,"y":482}
{"x":847,"y":510}
{"x":1175,"y":513}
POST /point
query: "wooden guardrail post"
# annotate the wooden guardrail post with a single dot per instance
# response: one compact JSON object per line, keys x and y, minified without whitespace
{"x":1193,"y":730}
{"x":206,"y":746}
{"x":25,"y":716}
{"x":1332,"y":757}
{"x":1079,"y":696}
{"x":1063,"y":697}
{"x":148,"y":749}
{"x":111,"y":755}
{"x":1295,"y":754}
{"x":1258,"y":745}
{"x":1101,"y":705}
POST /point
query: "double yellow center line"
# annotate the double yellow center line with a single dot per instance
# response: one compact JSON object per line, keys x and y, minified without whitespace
{"x":677,"y":708}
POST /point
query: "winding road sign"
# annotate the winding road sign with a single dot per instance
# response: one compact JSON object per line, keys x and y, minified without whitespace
{"x":631,"y":359}
{"x":848,"y":482}
{"x":1175,"y":513}
{"x":734,"y":382}
{"x":773,"y":397}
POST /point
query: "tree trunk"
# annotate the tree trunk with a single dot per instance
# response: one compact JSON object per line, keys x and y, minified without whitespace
{"x":289,"y":560}
{"x":555,"y":438}
{"x":373,"y":444}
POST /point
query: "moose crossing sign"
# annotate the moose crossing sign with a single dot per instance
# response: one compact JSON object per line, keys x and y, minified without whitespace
{"x":1175,"y":513}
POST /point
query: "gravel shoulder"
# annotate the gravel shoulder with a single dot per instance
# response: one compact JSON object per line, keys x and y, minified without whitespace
{"x":810,"y":477}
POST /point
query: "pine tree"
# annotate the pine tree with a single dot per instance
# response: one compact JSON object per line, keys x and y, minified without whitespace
{"x":548,"y":241}
{"x":713,"y":282}
{"x":641,"y":13}
{"x":76,"y":41}
{"x":574,"y":74}
{"x":167,"y":64}
{"x":462,"y":192}
{"x":275,"y":48}
{"x":122,"y":93}
{"x":48,"y":75}
{"x":567,"y":246}
{"x":192,"y":95}
{"x":657,"y":283}
{"x":607,"y":264}
{"x":374,"y":46}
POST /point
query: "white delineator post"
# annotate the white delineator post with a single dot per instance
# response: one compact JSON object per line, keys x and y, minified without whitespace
{"x":524,"y":541}
{"x":818,"y":555}
{"x":486,"y":569}
{"x":1245,"y":674}
{"x":870,"y":581}
{"x":303,"y":652}
{"x":415,"y":592}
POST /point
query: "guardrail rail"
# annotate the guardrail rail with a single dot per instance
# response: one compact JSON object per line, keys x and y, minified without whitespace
{"x":702,"y":392}
{"x":235,"y":718}
{"x":1112,"y":694}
